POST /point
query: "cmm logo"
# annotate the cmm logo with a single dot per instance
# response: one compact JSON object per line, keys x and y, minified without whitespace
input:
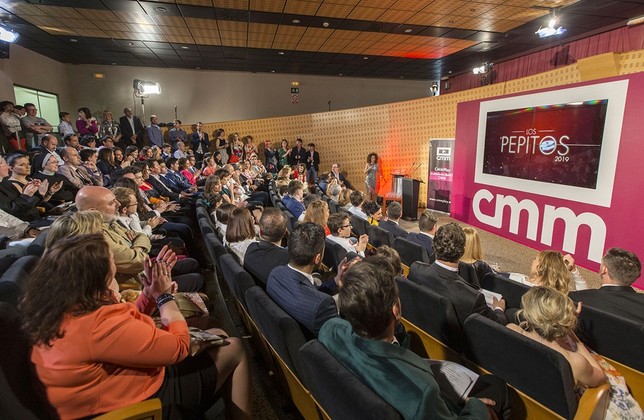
{"x":443,"y":153}
{"x":551,"y":214}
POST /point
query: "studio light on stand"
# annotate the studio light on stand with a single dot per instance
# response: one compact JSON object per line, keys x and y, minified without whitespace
{"x":143,"y":89}
{"x":485,"y":71}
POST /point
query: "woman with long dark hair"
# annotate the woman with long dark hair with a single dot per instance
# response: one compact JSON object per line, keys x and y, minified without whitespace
{"x":371,"y":171}
{"x":94,"y":354}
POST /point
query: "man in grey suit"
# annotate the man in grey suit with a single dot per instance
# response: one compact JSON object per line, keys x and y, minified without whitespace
{"x":442,"y":277}
{"x":295,"y":289}
{"x":619,"y":270}
{"x":394,"y":211}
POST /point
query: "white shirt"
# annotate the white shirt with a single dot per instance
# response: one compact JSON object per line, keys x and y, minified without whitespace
{"x":307,"y":275}
{"x":345,"y":243}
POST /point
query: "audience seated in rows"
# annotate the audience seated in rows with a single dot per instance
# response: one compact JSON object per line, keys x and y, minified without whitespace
{"x":295,"y":289}
{"x":363,"y":341}
{"x":442,"y":277}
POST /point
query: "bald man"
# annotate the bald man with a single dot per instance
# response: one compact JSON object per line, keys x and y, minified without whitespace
{"x":130,"y":248}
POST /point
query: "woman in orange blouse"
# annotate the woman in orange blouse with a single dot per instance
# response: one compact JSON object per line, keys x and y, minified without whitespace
{"x":95,"y":355}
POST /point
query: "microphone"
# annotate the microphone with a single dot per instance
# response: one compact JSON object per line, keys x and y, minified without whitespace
{"x":411,"y":167}
{"x":415,"y":169}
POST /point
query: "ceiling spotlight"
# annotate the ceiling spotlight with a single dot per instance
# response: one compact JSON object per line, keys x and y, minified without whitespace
{"x":295,"y":21}
{"x":553,"y":28}
{"x":184,"y":47}
{"x":365,"y":58}
{"x":131,"y":44}
{"x":280,"y":52}
{"x":73,"y":40}
{"x":325,"y":24}
{"x":161,"y":9}
{"x":8,"y":35}
{"x":483,"y":68}
{"x":408,"y":30}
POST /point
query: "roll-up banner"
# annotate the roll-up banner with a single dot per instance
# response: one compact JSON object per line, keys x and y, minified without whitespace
{"x":441,"y":154}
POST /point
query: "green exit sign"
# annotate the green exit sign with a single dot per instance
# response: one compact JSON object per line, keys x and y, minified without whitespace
{"x":295,"y":90}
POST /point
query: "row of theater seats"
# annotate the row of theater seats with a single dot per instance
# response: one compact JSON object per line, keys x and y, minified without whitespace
{"x":541,"y":378}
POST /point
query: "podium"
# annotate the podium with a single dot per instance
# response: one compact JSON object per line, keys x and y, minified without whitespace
{"x":410,"y":188}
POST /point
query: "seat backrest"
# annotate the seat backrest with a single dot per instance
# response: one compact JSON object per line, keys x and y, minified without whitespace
{"x":281,"y":331}
{"x":378,"y":236}
{"x":430,"y":312}
{"x":37,"y":246}
{"x":205,"y":226}
{"x":613,"y":336}
{"x":511,"y":290}
{"x":333,"y":254}
{"x":410,"y":252}
{"x":359,"y":226}
{"x":20,"y":270}
{"x":531,"y":367}
{"x":22,"y":394}
{"x":237,"y":279}
{"x":338,"y":390}
{"x":333,"y":206}
{"x":214,"y":246}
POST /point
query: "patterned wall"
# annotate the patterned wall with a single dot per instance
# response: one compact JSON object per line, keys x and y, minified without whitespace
{"x":398,"y":132}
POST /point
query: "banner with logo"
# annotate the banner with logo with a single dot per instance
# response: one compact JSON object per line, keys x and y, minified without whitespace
{"x":557,"y":169}
{"x":441,"y":153}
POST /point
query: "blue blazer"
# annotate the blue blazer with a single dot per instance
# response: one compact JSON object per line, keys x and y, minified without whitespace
{"x":423,"y":240}
{"x":299,"y":298}
{"x":295,"y":207}
{"x":393,"y":227}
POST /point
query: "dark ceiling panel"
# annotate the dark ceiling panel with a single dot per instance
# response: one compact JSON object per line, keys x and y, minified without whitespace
{"x":321,"y":37}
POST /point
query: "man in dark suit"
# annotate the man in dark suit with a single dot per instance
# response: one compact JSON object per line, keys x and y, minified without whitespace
{"x":427,"y":227}
{"x":263,"y":256}
{"x":293,"y":201}
{"x":342,"y":179}
{"x":442,"y":277}
{"x":298,"y":154}
{"x":295,"y":289}
{"x":618,"y":270}
{"x":131,"y":130}
{"x":312,"y":163}
{"x":394,"y":211}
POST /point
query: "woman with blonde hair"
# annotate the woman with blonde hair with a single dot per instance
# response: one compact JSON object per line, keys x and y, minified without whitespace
{"x":550,"y":317}
{"x":79,"y":223}
{"x":556,"y":271}
{"x":318,"y":212}
{"x":344,"y":200}
{"x":474,"y":253}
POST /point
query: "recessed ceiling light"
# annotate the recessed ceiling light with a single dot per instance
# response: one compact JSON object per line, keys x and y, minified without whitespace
{"x":295,"y":21}
{"x":73,"y":40}
{"x":449,"y":72}
{"x":184,"y":47}
{"x":272,"y":71}
{"x":408,"y":30}
{"x":161,"y":9}
{"x":365,"y":58}
{"x":281,"y":52}
{"x":325,"y":24}
{"x":131,"y":44}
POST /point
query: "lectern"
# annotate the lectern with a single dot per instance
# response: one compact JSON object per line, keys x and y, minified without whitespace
{"x":410,"y":187}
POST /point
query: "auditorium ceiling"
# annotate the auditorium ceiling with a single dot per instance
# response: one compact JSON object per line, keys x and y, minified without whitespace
{"x":410,"y":39}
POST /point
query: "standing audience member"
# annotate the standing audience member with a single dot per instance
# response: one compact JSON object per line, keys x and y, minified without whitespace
{"x":86,"y":124}
{"x":283,"y":154}
{"x":109,"y":128}
{"x":10,"y":127}
{"x":131,"y":129}
{"x":94,"y":355}
{"x":297,"y":155}
{"x":293,"y":286}
{"x":155,"y":138}
{"x":65,"y":127}
{"x":34,"y":127}
{"x":363,"y":340}
{"x":312,"y":163}
{"x":200,"y":142}
{"x":176,"y":134}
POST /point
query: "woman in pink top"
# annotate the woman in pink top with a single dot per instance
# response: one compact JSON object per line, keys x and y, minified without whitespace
{"x":95,"y":355}
{"x":86,"y":124}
